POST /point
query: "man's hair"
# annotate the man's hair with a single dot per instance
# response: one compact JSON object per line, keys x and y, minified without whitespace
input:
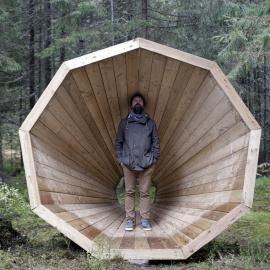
{"x":137,"y":95}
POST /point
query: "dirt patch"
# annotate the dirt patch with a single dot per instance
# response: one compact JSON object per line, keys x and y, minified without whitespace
{"x":10,"y":239}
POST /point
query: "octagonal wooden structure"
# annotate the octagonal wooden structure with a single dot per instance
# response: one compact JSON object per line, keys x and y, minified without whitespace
{"x":209,"y":149}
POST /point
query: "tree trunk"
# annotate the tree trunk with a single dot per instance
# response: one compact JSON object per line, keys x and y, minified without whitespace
{"x":130,"y":12}
{"x":32,"y":99}
{"x":267,"y":107}
{"x":112,"y":18}
{"x":144,"y":17}
{"x":47,"y":62}
{"x":1,"y":156}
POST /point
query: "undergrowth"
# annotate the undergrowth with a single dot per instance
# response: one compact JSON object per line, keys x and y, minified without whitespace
{"x":27,"y":242}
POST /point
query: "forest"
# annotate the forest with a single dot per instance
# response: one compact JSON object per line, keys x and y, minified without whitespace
{"x":38,"y":35}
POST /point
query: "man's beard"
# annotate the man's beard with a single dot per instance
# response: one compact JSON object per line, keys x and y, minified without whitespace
{"x":138,"y":109}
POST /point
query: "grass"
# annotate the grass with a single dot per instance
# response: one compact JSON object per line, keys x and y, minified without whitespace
{"x":33,"y":244}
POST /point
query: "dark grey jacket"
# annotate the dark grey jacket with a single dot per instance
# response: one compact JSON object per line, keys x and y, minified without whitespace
{"x":137,"y":144}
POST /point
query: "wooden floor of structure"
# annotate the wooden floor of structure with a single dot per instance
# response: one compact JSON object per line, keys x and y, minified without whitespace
{"x":173,"y":226}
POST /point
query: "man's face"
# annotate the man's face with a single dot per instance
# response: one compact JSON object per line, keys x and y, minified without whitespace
{"x":137,"y":101}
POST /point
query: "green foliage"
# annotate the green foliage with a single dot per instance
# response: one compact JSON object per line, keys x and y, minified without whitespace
{"x":245,"y":39}
{"x":99,"y":257}
{"x":8,"y":64}
{"x":12,"y":204}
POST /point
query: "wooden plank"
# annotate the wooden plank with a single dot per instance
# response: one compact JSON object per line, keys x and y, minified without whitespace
{"x":63,"y":208}
{"x":168,"y":79}
{"x":107,"y":233}
{"x":128,"y":241}
{"x":210,"y":177}
{"x":140,"y":235}
{"x":192,"y":134}
{"x":180,"y":83}
{"x":30,"y":171}
{"x":66,"y":138}
{"x":221,"y":153}
{"x":75,"y":94}
{"x":185,"y":226}
{"x":99,"y":93}
{"x":63,"y":227}
{"x":237,"y":131}
{"x":207,"y":214}
{"x":107,"y":71}
{"x":51,"y":185}
{"x":60,"y":198}
{"x":199,"y":77}
{"x":54,"y":174}
{"x":72,"y":110}
{"x":189,"y":225}
{"x":86,"y":90}
{"x":251,"y":168}
{"x":154,"y":240}
{"x":132,"y":62}
{"x":227,"y":122}
{"x":176,"y":54}
{"x":178,"y":237}
{"x":187,"y":127}
{"x":82,"y":223}
{"x":116,"y":240}
{"x":76,"y":214}
{"x":58,"y":161}
{"x":148,"y":254}
{"x":213,"y":206}
{"x":219,"y":197}
{"x":45,"y":98}
{"x":157,"y":70}
{"x":145,"y":66}
{"x":103,"y":54}
{"x":86,"y":149}
{"x":120,"y":73}
{"x":93,"y":231}
{"x":215,"y":230}
{"x":221,"y":185}
{"x":163,"y":237}
{"x":234,"y":98}
{"x":230,"y":160}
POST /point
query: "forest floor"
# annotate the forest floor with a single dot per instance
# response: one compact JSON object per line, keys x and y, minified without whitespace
{"x":27,"y":242}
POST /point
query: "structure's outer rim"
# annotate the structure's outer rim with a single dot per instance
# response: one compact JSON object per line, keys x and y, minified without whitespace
{"x":103,"y":54}
{"x":64,"y":228}
{"x":45,"y":98}
{"x":251,"y":167}
{"x":176,"y":54}
{"x":148,"y":254}
{"x":30,"y":171}
{"x":235,"y":99}
{"x":218,"y":77}
{"x":215,"y":230}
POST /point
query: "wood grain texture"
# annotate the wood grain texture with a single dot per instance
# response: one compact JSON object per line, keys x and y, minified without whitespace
{"x":251,"y":168}
{"x":215,"y":230}
{"x":29,"y":166}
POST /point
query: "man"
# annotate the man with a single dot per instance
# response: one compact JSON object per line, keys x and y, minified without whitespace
{"x":137,"y":149}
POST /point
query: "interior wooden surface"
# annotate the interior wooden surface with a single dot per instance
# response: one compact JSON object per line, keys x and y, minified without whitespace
{"x":204,"y":144}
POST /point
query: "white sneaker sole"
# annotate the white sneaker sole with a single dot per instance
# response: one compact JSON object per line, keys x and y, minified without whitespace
{"x":129,"y":229}
{"x":147,"y":229}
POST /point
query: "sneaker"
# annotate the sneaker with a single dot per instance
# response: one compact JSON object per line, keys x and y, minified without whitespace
{"x":146,"y":226}
{"x":129,"y":226}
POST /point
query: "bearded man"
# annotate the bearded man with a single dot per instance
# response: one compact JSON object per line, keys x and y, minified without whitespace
{"x":137,"y":149}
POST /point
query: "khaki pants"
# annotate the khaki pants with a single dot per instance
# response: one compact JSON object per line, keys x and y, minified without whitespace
{"x":130,"y":186}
